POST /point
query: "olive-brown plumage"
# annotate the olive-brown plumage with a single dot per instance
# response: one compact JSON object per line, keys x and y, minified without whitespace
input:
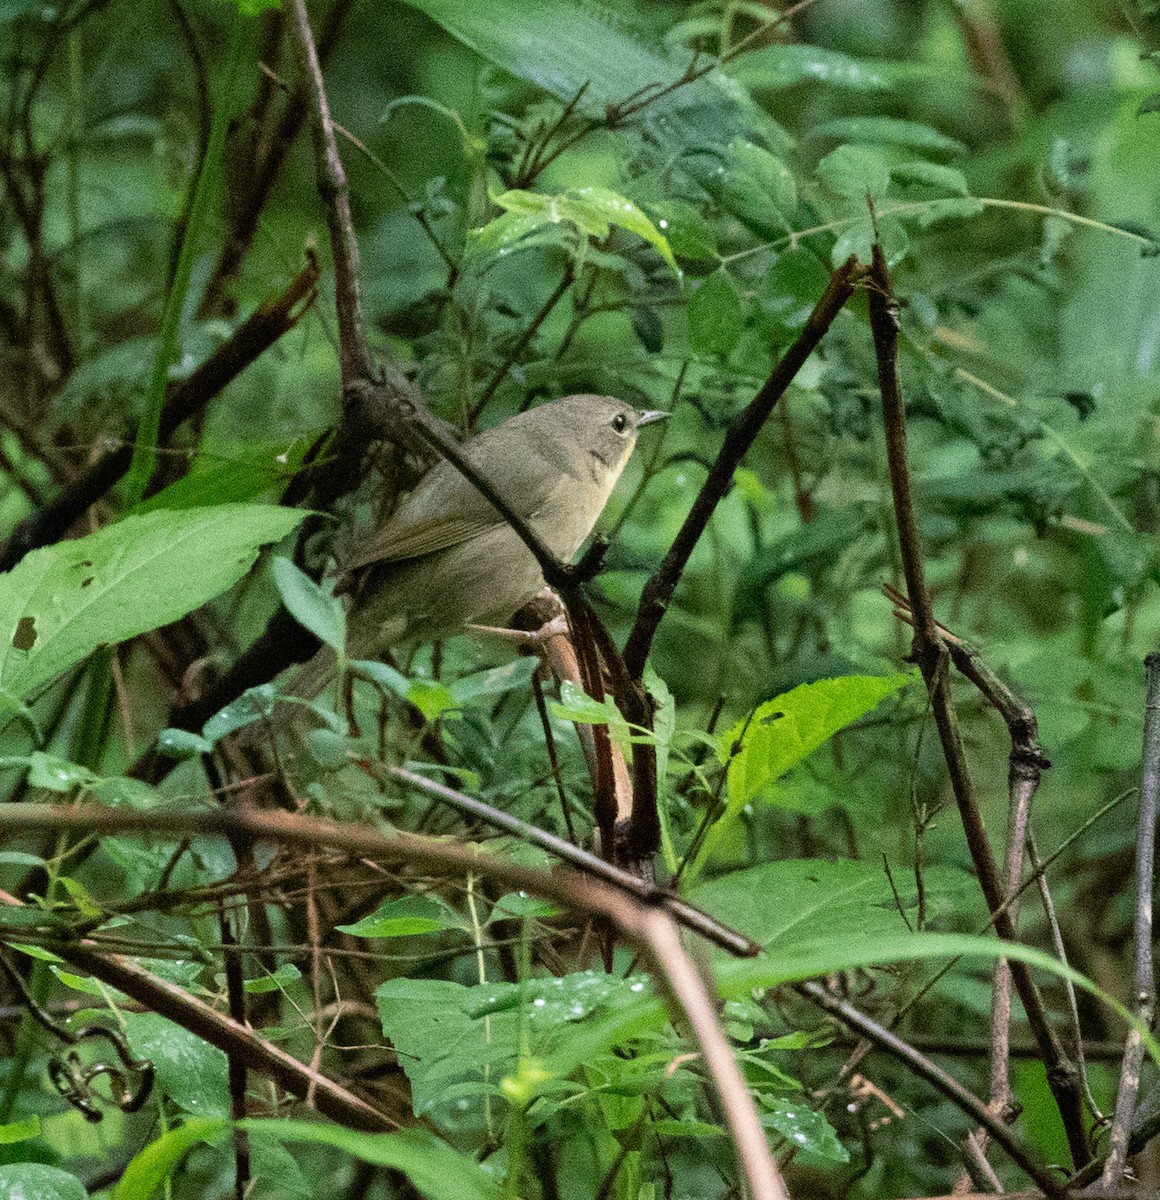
{"x":446,"y":557}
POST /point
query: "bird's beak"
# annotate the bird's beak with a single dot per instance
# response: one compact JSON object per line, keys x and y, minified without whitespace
{"x":647,"y":418}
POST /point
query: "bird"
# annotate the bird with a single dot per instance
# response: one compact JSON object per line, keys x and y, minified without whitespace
{"x":447,"y":558}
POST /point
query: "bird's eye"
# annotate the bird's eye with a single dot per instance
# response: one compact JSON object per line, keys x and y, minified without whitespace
{"x":620,"y":422}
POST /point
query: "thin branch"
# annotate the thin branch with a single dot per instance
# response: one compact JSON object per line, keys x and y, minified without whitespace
{"x":521,"y":345}
{"x":247,"y":343}
{"x":639,"y":920}
{"x":931,"y":655}
{"x":687,"y":914}
{"x":659,"y":589}
{"x":1144,"y":1000}
{"x":355,"y":361}
{"x":950,"y":1087}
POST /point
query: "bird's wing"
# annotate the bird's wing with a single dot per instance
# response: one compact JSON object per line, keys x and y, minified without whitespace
{"x":446,"y":509}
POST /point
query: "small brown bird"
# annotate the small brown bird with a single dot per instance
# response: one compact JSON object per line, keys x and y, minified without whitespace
{"x":446,"y":557}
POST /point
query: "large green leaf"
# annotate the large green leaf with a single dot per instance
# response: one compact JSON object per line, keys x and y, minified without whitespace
{"x":782,"y":904}
{"x":36,"y":1181}
{"x":563,"y":46}
{"x":781,"y":732}
{"x":62,"y":602}
{"x":191,"y":1072}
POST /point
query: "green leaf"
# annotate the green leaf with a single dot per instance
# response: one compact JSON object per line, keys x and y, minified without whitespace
{"x":889,"y":131}
{"x":311,"y":606}
{"x":182,"y":743}
{"x":781,"y":904}
{"x":403,"y":918}
{"x":191,"y":1072}
{"x":936,"y":175}
{"x":151,"y":1167}
{"x":782,"y":731}
{"x":715,"y":315}
{"x":429,"y":696}
{"x":574,"y":50}
{"x":57,"y":774}
{"x":286,"y":974}
{"x":953,"y":209}
{"x":252,"y":705}
{"x":758,"y":186}
{"x":252,"y":477}
{"x":784,"y":66}
{"x":20,"y":1131}
{"x":859,"y":239}
{"x":64,"y":601}
{"x":804,"y":1128}
{"x":854,"y":171}
{"x":36,"y":1181}
{"x":690,"y":234}
{"x":592,"y":210}
{"x":496,"y":681}
{"x":432,"y":1166}
{"x":576,"y":705}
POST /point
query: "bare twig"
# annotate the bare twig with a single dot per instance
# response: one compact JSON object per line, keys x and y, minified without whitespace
{"x":637,"y":919}
{"x":355,"y":361}
{"x":922,"y":1066}
{"x":931,"y":655}
{"x":659,"y":589}
{"x":1144,"y":1000}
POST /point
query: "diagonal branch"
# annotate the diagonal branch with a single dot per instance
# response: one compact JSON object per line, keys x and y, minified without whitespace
{"x":638,"y":920}
{"x":659,"y":589}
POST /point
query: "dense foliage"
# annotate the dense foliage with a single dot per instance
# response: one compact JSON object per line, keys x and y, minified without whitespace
{"x":644,"y":200}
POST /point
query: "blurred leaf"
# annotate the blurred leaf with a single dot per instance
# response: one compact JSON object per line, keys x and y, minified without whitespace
{"x":430,"y":697}
{"x":404,"y":918}
{"x":890,"y":131}
{"x":496,"y":681}
{"x":287,"y":973}
{"x":566,"y":49}
{"x":311,"y":606}
{"x":691,"y":235}
{"x":757,"y":185}
{"x":20,"y":1131}
{"x":36,"y":1181}
{"x":252,"y":705}
{"x":804,"y":900}
{"x":804,"y":1128}
{"x":151,"y":1167}
{"x":433,"y":1167}
{"x":854,"y":171}
{"x":936,"y":175}
{"x":56,"y":774}
{"x":715,"y":315}
{"x":786,"y":65}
